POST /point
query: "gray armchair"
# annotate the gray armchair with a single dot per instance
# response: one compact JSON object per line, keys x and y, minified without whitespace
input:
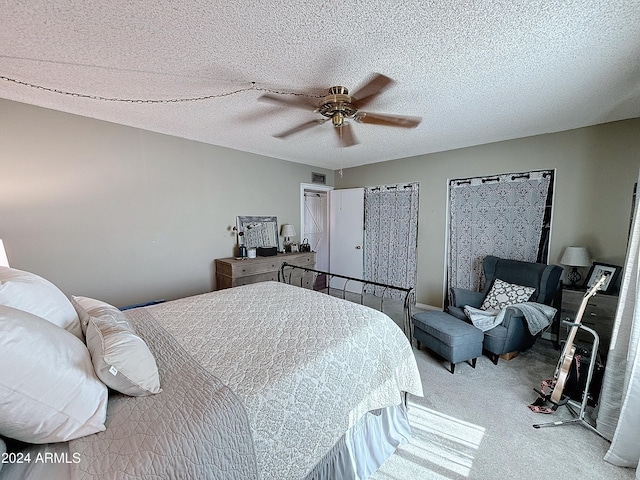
{"x":512,"y":335}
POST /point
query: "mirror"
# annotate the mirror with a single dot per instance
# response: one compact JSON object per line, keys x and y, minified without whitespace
{"x":259,"y":231}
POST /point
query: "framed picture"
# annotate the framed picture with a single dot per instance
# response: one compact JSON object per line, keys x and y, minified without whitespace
{"x":597,"y":270}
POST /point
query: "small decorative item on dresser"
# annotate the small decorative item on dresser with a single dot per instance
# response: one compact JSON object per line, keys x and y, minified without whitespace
{"x":305,"y":246}
{"x":287,"y":231}
{"x":266,"y":251}
{"x":242,"y":251}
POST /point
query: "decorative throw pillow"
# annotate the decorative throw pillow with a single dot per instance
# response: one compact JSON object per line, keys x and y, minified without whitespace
{"x":121,"y":359}
{"x":503,"y":294}
{"x":48,"y":388}
{"x":83,"y":305}
{"x":32,"y":293}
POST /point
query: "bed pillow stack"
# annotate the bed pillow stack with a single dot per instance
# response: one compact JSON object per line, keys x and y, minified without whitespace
{"x":49,"y":390}
{"x":55,"y":368}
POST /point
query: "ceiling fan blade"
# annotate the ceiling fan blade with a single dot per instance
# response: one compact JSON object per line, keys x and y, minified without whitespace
{"x":374,"y":87}
{"x":345,"y":135}
{"x":388,"y":120}
{"x":300,"y":128}
{"x":304,"y":103}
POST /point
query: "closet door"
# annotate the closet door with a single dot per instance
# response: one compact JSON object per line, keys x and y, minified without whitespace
{"x":346,"y":236}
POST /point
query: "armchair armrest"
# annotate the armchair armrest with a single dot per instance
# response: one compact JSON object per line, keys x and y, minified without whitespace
{"x":461,"y":297}
{"x":518,"y":335}
{"x":511,"y":313}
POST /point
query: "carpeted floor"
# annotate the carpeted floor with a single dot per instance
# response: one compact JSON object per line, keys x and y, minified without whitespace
{"x":475,"y":424}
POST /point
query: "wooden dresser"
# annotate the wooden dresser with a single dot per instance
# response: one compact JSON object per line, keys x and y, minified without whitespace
{"x":598,"y":315}
{"x":233,"y":272}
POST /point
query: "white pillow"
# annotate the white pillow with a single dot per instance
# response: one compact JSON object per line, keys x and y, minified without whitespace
{"x":32,"y":293}
{"x":48,"y":389}
{"x":503,"y":294}
{"x":121,"y":359}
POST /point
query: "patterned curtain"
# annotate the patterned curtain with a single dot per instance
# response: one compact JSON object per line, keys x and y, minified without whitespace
{"x":501,"y":215}
{"x":391,"y":235}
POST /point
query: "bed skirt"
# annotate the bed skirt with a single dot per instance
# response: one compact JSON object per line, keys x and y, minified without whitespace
{"x":366,"y":446}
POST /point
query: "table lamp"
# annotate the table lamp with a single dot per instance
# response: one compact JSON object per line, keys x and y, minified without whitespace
{"x":575,"y":257}
{"x":287,"y":231}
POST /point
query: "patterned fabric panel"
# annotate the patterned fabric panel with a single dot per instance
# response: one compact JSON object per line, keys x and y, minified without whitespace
{"x":391,"y":236}
{"x":501,"y":215}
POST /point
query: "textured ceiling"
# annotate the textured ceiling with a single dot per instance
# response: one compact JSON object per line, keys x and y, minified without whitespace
{"x":475,"y":71}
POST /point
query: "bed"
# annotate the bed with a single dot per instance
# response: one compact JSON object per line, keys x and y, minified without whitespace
{"x":265,"y":381}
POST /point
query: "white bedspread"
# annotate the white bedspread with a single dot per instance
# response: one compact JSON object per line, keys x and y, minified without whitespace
{"x":306,"y":365}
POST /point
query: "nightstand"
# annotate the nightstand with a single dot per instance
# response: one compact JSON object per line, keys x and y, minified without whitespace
{"x":598,"y":315}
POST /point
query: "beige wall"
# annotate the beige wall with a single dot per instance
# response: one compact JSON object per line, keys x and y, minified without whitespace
{"x":124,"y":214}
{"x":596,"y":169}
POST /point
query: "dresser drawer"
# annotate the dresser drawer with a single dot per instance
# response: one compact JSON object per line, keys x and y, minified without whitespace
{"x":249,"y":266}
{"x":302,"y":260}
{"x":603,"y":305}
{"x":260,"y":277}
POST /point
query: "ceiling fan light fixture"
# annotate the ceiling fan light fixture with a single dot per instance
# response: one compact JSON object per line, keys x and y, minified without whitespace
{"x":340,"y":107}
{"x":337,"y":119}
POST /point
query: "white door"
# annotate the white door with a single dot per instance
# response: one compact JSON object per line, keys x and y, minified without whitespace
{"x":346,"y":236}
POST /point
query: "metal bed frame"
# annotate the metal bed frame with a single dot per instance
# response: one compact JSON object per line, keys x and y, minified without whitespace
{"x":407,"y":294}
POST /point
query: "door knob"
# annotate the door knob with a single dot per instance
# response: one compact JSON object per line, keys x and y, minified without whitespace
{"x":358,"y":247}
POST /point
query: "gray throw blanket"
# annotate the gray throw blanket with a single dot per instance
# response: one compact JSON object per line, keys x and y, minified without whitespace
{"x":537,"y":315}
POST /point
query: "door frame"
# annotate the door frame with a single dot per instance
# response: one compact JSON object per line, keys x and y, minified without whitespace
{"x":310,"y":187}
{"x":314,"y":187}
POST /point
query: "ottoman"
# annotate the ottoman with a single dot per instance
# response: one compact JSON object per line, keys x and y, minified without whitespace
{"x":453,"y":339}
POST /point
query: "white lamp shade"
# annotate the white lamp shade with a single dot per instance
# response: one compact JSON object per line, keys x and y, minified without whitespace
{"x":4,"y":261}
{"x":576,"y":257}
{"x":288,"y":230}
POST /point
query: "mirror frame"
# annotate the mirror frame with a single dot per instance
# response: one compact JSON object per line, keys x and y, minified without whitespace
{"x":244,"y":223}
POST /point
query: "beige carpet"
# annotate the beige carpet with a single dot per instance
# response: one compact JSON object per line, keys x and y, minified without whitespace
{"x":476,"y":425}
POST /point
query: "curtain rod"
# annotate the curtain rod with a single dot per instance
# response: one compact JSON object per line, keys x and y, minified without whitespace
{"x":390,"y":187}
{"x":497,"y":178}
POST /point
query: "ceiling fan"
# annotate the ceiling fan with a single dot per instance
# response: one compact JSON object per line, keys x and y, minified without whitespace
{"x":340,"y":107}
